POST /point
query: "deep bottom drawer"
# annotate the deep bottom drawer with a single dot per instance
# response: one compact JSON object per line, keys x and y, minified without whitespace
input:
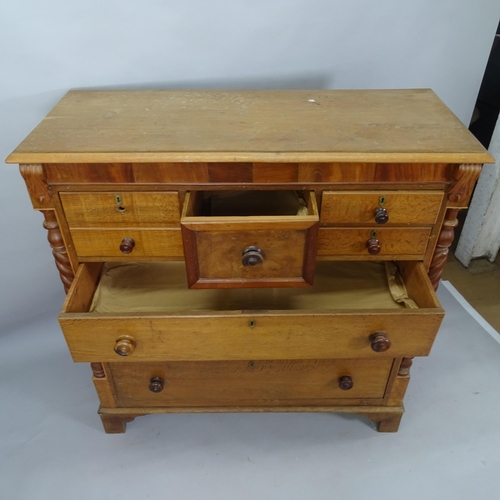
{"x":217,"y":383}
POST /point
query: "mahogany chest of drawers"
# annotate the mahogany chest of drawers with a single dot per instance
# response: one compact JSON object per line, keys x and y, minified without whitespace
{"x":250,"y":250}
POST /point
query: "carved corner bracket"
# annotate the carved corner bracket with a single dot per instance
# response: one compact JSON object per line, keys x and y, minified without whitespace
{"x":36,"y":182}
{"x":464,"y":180}
{"x":443,"y":245}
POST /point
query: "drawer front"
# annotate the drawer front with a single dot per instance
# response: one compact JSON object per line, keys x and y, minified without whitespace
{"x":235,"y":383}
{"x":249,"y":251}
{"x":220,"y":254}
{"x":392,"y":243}
{"x":402,"y":207}
{"x":121,"y":209}
{"x":210,"y":337}
{"x":115,"y":243}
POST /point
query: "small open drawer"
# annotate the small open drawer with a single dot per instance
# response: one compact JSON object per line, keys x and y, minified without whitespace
{"x":145,"y":312}
{"x":237,"y":239}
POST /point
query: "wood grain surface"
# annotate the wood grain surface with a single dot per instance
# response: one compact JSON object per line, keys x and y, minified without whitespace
{"x":358,"y":207}
{"x":270,"y":382}
{"x":244,"y":126}
{"x":220,"y":254}
{"x":394,"y":242}
{"x":230,"y":336}
{"x":87,"y":175}
{"x":105,"y":243}
{"x":137,"y":209}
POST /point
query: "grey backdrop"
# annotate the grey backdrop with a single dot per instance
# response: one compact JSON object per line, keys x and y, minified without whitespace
{"x":49,"y":47}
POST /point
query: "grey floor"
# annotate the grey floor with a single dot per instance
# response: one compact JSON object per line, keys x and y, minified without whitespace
{"x":52,"y":444}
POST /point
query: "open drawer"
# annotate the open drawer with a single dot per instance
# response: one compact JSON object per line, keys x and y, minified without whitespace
{"x":145,"y":312}
{"x":237,"y":239}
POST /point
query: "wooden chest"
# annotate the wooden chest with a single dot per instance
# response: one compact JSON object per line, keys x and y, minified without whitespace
{"x":250,"y":250}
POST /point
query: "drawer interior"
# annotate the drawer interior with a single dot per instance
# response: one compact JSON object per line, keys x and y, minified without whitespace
{"x":248,"y":203}
{"x":161,"y":287}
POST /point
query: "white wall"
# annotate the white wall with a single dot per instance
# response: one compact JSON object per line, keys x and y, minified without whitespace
{"x":49,"y":47}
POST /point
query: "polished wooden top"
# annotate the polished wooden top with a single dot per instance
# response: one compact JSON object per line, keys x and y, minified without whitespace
{"x":271,"y":126}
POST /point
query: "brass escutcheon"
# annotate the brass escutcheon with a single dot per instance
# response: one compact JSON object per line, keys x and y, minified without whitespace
{"x":118,"y":201}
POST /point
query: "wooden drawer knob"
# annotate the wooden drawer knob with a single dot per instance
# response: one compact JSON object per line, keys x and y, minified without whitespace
{"x":373,"y":246}
{"x":381,"y":215}
{"x":346,"y":383}
{"x":380,"y":341}
{"x":252,"y":256}
{"x":127,"y":245}
{"x":156,"y":384}
{"x":125,"y":345}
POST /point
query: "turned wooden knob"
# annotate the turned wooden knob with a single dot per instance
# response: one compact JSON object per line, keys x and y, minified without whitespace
{"x":373,"y":246}
{"x":125,"y":345}
{"x":156,"y":384}
{"x":381,"y":215}
{"x":346,"y":383}
{"x":380,"y":341}
{"x":127,"y":245}
{"x":252,"y":256}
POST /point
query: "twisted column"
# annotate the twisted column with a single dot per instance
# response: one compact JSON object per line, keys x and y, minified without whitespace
{"x":58,"y":249}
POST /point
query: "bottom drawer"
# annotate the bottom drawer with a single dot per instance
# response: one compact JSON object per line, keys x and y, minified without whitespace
{"x":235,"y":383}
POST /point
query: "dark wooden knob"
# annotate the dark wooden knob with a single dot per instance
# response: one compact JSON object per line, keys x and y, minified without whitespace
{"x":373,"y":246}
{"x":125,"y":345}
{"x":156,"y":384}
{"x":380,"y":341}
{"x":346,"y":383}
{"x":127,"y":245}
{"x":381,"y":215}
{"x":252,"y":256}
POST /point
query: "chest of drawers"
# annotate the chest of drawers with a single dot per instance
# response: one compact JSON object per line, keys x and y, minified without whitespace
{"x":250,"y":250}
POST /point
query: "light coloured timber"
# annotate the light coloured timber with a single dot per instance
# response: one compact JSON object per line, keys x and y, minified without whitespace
{"x":159,"y":126}
{"x":136,"y":209}
{"x":394,"y":242}
{"x":105,"y":388}
{"x":372,"y":412}
{"x":274,"y":382}
{"x":105,"y":243}
{"x":403,"y":207}
{"x":151,"y":147}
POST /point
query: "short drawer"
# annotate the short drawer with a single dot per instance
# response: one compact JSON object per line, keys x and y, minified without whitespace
{"x":381,"y":207}
{"x":380,"y":243}
{"x":145,"y":312}
{"x":129,"y":244}
{"x":121,"y":209}
{"x":250,"y":239}
{"x":248,"y":382}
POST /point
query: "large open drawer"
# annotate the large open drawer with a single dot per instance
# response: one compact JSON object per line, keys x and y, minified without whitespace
{"x":341,"y":316}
